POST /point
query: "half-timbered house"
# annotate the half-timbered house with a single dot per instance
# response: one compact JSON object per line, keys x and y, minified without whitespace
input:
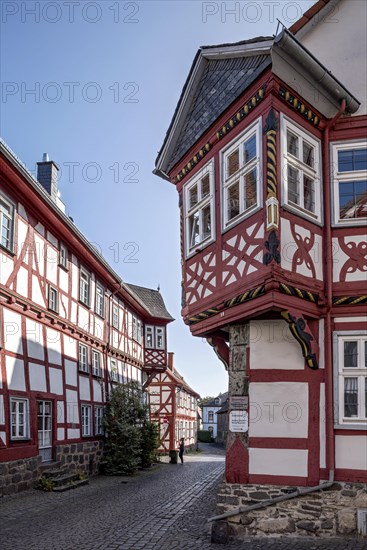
{"x":70,"y":329}
{"x":173,"y":405}
{"x":267,"y":149}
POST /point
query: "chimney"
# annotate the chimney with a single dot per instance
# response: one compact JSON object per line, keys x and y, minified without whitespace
{"x":47,"y":177}
{"x":170,"y":360}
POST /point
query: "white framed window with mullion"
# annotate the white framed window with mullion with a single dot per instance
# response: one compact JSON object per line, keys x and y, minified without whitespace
{"x":349,"y":183}
{"x":350,"y":352}
{"x":84,"y":287}
{"x":7,"y":220}
{"x":241,"y":176}
{"x":301,"y":170}
{"x":199,"y":209}
{"x":19,"y":418}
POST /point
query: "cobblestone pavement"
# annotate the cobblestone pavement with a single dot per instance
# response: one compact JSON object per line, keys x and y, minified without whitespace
{"x":161,"y":509}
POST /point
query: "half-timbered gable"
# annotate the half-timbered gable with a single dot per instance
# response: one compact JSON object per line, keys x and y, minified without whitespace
{"x":70,"y":328}
{"x":272,"y":191}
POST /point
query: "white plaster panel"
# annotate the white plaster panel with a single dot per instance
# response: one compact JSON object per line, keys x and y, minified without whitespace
{"x":351,"y":452}
{"x":63,"y":280}
{"x":60,"y":418}
{"x":51,"y":264}
{"x":6,"y":267}
{"x":60,"y":434}
{"x":73,"y":434}
{"x":53,"y":338}
{"x":12,"y":331}
{"x":289,"y":247}
{"x":37,"y":377}
{"x":3,"y":437}
{"x":37,"y":295}
{"x":322,"y":427}
{"x":40,"y":254}
{"x":15,"y":373}
{"x":322,"y":343}
{"x":74,"y":277}
{"x":154,"y":399}
{"x":350,"y":319}
{"x":70,"y":349}
{"x":72,"y":407}
{"x":97,"y":392}
{"x":278,"y":462}
{"x":22,"y":282}
{"x":22,"y":233}
{"x":340,"y":258}
{"x":98,"y":328}
{"x":70,"y":372}
{"x":273,"y":347}
{"x":84,"y":388}
{"x":73,"y":313}
{"x":34,"y":334}
{"x":64,"y":306}
{"x":56,"y":381}
{"x":278,"y":409}
{"x":2,"y":410}
{"x":83,"y":318}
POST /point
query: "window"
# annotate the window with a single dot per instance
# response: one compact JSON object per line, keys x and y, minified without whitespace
{"x":96,"y":363}
{"x":113,"y":370}
{"x":19,"y":418}
{"x":210,"y":416}
{"x":350,"y":183}
{"x":84,"y":287}
{"x":86,"y":415}
{"x":351,"y":372}
{"x":241,"y":176}
{"x":149,"y":337}
{"x":199,"y":209}
{"x":63,"y":256}
{"x":6,"y":223}
{"x":99,"y":300}
{"x":83,"y":358}
{"x":98,"y":421}
{"x":159,"y":338}
{"x":53,"y":299}
{"x":301,"y":171}
{"x":137,"y":330}
{"x":115,"y":316}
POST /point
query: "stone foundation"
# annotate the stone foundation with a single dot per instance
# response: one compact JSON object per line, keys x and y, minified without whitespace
{"x":22,"y":474}
{"x":328,"y":513}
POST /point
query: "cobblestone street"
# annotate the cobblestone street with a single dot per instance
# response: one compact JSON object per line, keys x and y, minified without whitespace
{"x":161,"y":509}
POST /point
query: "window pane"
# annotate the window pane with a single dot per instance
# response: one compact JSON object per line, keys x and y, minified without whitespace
{"x":233,"y":197}
{"x":350,"y":397}
{"x":205,"y":187}
{"x":353,"y":199}
{"x":365,"y":354}
{"x":194,"y":229}
{"x":355,"y":159}
{"x":250,"y":189}
{"x":5,"y":231}
{"x":309,"y":194}
{"x":308,"y":154}
{"x":233,"y":162}
{"x":293,"y":185}
{"x":292,"y":144}
{"x":193,"y":196}
{"x":350,"y":354}
{"x":249,"y":149}
{"x":207,"y":230}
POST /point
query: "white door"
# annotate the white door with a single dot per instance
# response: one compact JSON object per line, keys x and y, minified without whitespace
{"x":45,"y":430}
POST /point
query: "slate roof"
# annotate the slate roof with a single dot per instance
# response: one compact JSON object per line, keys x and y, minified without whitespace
{"x":152,"y":300}
{"x":181,"y":380}
{"x":212,"y":402}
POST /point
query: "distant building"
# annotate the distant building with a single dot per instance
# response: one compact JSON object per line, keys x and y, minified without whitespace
{"x":210,"y":409}
{"x":223,"y":423}
{"x":174,"y":405}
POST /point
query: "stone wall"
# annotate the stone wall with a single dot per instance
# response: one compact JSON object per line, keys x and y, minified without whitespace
{"x":327,"y":513}
{"x":84,"y":456}
{"x":19,"y":475}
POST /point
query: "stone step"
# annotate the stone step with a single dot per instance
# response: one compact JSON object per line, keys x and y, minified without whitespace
{"x":51,"y":469}
{"x":64,"y":478}
{"x":71,"y":485}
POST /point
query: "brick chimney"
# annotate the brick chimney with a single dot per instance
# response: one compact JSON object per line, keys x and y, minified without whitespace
{"x":170,"y":360}
{"x":47,"y":176}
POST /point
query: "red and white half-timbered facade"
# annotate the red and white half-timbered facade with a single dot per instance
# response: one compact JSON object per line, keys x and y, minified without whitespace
{"x":174,"y":406}
{"x":273,"y":205}
{"x":69,"y":329}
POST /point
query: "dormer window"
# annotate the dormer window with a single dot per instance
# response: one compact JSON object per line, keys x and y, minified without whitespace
{"x":199,"y":209}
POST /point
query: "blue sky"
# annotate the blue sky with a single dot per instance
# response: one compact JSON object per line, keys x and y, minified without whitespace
{"x":106,"y":77}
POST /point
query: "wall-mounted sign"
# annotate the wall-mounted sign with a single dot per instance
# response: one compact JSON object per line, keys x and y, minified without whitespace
{"x":238,"y":421}
{"x":238,"y":402}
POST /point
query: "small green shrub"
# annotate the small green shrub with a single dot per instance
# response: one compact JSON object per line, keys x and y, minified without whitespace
{"x":204,"y":436}
{"x":45,"y":484}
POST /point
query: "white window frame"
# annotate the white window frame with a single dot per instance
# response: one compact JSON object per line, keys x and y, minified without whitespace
{"x":98,"y":420}
{"x":339,"y":177}
{"x":226,"y":183}
{"x":114,"y":370}
{"x":53,"y":299}
{"x":84,"y":287}
{"x":137,"y":332}
{"x":83,"y":364}
{"x":86,"y":419}
{"x":315,"y":173}
{"x":198,"y":207}
{"x":11,"y":217}
{"x":115,"y":321}
{"x":99,"y":303}
{"x":96,"y":363}
{"x":63,"y":256}
{"x":341,"y":372}
{"x":162,"y":331}
{"x":211,"y":417}
{"x":150,"y":329}
{"x":25,"y":402}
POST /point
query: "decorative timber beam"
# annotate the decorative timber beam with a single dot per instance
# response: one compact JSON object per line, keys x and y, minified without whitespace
{"x":221,"y":349}
{"x":302,"y":333}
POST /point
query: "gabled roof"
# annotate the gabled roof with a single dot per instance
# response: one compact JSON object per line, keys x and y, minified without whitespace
{"x":213,"y":402}
{"x":180,"y":379}
{"x":153,"y":301}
